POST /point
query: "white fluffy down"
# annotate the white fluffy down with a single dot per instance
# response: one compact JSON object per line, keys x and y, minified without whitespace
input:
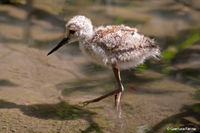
{"x":112,"y":45}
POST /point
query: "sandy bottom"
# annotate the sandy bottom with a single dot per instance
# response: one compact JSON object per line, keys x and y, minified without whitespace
{"x":42,"y":93}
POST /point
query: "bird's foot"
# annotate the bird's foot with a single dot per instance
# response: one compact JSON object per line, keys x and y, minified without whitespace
{"x":86,"y":103}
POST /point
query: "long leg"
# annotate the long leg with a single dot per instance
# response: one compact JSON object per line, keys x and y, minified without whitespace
{"x":119,"y":88}
{"x":117,"y":91}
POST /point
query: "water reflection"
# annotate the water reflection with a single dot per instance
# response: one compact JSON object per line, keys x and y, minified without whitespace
{"x":189,"y":117}
{"x":60,"y":111}
{"x":154,"y":93}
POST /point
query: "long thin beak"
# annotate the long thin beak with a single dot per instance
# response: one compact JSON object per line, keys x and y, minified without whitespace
{"x":64,"y":41}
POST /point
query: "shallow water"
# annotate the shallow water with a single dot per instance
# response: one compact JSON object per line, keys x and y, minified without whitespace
{"x":43,"y":92}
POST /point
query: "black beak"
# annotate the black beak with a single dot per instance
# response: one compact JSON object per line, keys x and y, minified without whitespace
{"x":64,"y":41}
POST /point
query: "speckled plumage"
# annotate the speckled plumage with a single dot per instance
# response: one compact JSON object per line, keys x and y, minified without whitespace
{"x":119,"y":45}
{"x":116,"y":47}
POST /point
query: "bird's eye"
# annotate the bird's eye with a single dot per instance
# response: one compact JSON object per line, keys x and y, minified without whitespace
{"x":71,"y":31}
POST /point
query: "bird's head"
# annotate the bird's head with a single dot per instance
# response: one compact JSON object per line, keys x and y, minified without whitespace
{"x":79,"y":27}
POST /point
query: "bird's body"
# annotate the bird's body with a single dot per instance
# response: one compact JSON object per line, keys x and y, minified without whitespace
{"x":119,"y":45}
{"x":116,"y":47}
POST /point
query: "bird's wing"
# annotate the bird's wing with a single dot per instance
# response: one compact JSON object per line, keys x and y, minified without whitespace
{"x":121,"y":39}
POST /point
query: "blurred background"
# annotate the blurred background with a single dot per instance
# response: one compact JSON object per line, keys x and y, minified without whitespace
{"x":40,"y":93}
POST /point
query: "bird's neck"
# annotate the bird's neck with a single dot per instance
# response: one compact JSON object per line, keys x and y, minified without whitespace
{"x":87,"y":36}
